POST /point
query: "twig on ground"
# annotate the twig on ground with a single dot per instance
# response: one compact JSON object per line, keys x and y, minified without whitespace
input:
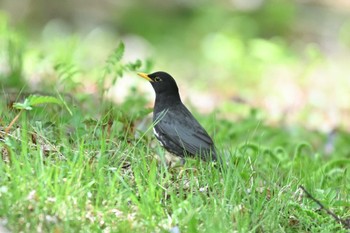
{"x":345,"y":223}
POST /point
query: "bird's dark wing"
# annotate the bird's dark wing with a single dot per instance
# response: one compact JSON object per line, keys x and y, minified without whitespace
{"x":183,"y":131}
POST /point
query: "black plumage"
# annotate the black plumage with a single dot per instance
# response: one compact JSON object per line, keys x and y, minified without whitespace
{"x":174,"y":125}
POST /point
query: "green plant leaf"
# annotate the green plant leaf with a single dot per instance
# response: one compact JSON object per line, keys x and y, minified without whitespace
{"x":118,"y":53}
{"x":36,"y":100}
{"x":114,"y":58}
{"x":113,"y":64}
{"x":23,"y":106}
{"x":132,"y":66}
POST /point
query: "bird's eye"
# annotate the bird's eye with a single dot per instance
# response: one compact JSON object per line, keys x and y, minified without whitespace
{"x":157,"y":79}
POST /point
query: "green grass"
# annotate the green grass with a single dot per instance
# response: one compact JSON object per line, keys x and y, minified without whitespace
{"x":60,"y":173}
{"x":90,"y":166}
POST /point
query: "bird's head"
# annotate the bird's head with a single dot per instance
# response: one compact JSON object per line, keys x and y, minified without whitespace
{"x":162,"y":83}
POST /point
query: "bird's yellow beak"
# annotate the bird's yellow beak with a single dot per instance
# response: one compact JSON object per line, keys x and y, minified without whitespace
{"x":145,"y":76}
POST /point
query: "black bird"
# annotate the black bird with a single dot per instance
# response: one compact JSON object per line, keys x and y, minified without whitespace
{"x":174,"y":125}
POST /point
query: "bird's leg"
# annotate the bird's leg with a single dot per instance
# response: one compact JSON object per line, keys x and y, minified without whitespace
{"x":172,"y":160}
{"x":169,"y":160}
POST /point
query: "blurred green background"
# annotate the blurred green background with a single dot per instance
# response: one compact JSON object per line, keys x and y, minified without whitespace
{"x":289,"y":59}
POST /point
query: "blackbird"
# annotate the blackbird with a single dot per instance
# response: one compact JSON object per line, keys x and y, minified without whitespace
{"x":174,"y":126}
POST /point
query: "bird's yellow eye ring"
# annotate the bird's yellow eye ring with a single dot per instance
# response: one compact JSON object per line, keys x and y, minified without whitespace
{"x":157,"y":79}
